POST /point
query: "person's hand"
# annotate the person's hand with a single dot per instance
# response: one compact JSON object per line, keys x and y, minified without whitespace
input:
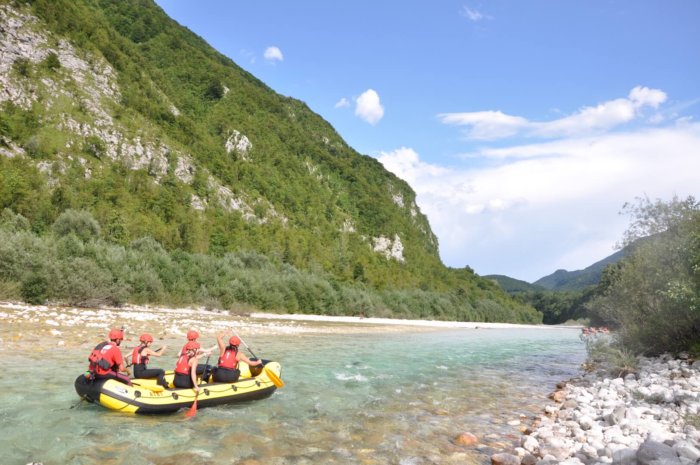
{"x":127,"y":371}
{"x":196,"y":388}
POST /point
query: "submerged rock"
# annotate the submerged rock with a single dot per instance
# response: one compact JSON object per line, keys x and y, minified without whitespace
{"x":465,"y":439}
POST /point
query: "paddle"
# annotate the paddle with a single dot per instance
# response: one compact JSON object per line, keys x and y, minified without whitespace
{"x":270,"y":374}
{"x":193,"y":410}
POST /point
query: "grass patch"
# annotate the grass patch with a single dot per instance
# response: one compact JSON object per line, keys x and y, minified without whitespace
{"x":607,"y":356}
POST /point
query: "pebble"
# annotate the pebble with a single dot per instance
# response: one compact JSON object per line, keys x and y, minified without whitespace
{"x":646,"y":418}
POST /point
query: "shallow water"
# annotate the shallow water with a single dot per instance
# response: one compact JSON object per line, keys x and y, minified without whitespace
{"x":353,"y":395}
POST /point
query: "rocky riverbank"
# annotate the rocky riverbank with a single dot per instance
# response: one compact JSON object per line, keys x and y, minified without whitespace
{"x":651,"y":417}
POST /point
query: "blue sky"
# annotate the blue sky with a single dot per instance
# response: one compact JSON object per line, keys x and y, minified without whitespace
{"x":523,"y":126}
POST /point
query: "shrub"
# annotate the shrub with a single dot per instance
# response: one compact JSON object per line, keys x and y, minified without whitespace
{"x":35,"y":288}
{"x":81,"y":223}
{"x":13,"y":222}
{"x":652,"y":296}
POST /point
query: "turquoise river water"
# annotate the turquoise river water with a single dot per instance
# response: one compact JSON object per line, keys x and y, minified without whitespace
{"x":354,"y":394}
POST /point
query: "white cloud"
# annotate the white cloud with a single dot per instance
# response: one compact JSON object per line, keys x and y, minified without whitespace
{"x":368,"y":107}
{"x":273,"y":54}
{"x":491,"y":125}
{"x":472,"y":14}
{"x":342,"y":103}
{"x":549,"y":205}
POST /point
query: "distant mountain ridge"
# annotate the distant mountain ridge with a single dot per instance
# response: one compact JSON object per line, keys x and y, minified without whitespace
{"x":562,"y":280}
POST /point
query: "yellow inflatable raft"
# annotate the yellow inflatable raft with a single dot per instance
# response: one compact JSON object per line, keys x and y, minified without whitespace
{"x":147,"y":397}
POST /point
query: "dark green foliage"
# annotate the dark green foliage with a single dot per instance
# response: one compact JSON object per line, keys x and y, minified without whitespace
{"x":79,"y":223}
{"x":22,"y":66}
{"x":35,"y":288}
{"x":512,"y":285}
{"x":13,"y":222}
{"x":652,"y":297}
{"x":52,"y":62}
{"x":94,"y":146}
{"x":91,"y":271}
{"x":562,"y":280}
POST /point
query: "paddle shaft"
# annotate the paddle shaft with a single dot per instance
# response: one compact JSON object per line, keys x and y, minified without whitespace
{"x":270,"y":374}
{"x":193,"y":409}
{"x":246,"y":345}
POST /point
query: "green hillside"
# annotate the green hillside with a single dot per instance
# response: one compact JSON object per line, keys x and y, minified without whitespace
{"x":562,"y":280}
{"x":512,"y":285}
{"x":112,"y":108}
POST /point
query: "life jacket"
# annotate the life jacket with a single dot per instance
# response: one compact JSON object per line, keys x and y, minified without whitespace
{"x":229,"y":359}
{"x":137,"y":358}
{"x":98,"y":364}
{"x":183,"y":365}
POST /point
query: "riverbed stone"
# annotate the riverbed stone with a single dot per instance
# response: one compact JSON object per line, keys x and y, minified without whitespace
{"x":465,"y":439}
{"x":504,"y":459}
{"x":530,"y":444}
{"x":625,"y":457}
{"x":657,"y":453}
{"x":687,"y":450}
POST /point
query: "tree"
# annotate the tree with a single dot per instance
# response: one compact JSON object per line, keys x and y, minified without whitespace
{"x":653,"y":295}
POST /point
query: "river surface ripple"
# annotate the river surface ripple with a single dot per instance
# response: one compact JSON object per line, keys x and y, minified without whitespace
{"x":354,"y":394}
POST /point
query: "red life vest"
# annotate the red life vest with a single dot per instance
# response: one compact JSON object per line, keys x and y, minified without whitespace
{"x":105,"y":357}
{"x":137,"y":358}
{"x":229,"y":359}
{"x":183,"y":365}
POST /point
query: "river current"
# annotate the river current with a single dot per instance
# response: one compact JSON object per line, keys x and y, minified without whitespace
{"x":354,"y":394}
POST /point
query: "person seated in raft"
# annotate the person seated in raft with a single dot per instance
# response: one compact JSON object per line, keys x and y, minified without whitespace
{"x":140,"y":357}
{"x":193,"y":335}
{"x":227,"y":369}
{"x":106,"y":361}
{"x":186,"y":367}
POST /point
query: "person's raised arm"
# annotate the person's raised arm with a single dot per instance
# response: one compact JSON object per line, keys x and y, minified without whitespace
{"x":157,"y":353}
{"x":221,"y":343}
{"x":243,"y":357}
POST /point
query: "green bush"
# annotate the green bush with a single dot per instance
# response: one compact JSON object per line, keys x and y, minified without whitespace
{"x":80,"y":223}
{"x":35,"y":288}
{"x":652,"y":297}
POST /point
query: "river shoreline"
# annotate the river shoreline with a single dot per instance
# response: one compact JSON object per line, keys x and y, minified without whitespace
{"x":650,"y":417}
{"x":95,"y":322}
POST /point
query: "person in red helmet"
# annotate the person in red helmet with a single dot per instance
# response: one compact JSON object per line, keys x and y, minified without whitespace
{"x":192,"y":335}
{"x":186,"y":367}
{"x":227,"y":369}
{"x":140,"y":357}
{"x":106,"y":361}
{"x":203,"y":368}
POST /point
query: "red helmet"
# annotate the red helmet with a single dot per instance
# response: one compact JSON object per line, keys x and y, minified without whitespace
{"x":116,"y":335}
{"x":235,"y":341}
{"x":145,"y":337}
{"x":192,"y":345}
{"x":192,"y":335}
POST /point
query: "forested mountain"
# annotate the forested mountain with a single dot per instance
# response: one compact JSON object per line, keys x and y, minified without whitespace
{"x":112,"y":109}
{"x":512,"y":285}
{"x":562,"y":280}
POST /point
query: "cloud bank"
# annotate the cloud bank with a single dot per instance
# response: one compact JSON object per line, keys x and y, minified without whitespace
{"x":558,"y":198}
{"x":492,"y":125}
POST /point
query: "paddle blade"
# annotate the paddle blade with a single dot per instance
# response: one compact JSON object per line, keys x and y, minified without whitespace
{"x":274,"y":378}
{"x":192,"y":411}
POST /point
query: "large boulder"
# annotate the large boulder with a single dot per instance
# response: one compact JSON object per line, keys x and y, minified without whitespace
{"x":657,"y":453}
